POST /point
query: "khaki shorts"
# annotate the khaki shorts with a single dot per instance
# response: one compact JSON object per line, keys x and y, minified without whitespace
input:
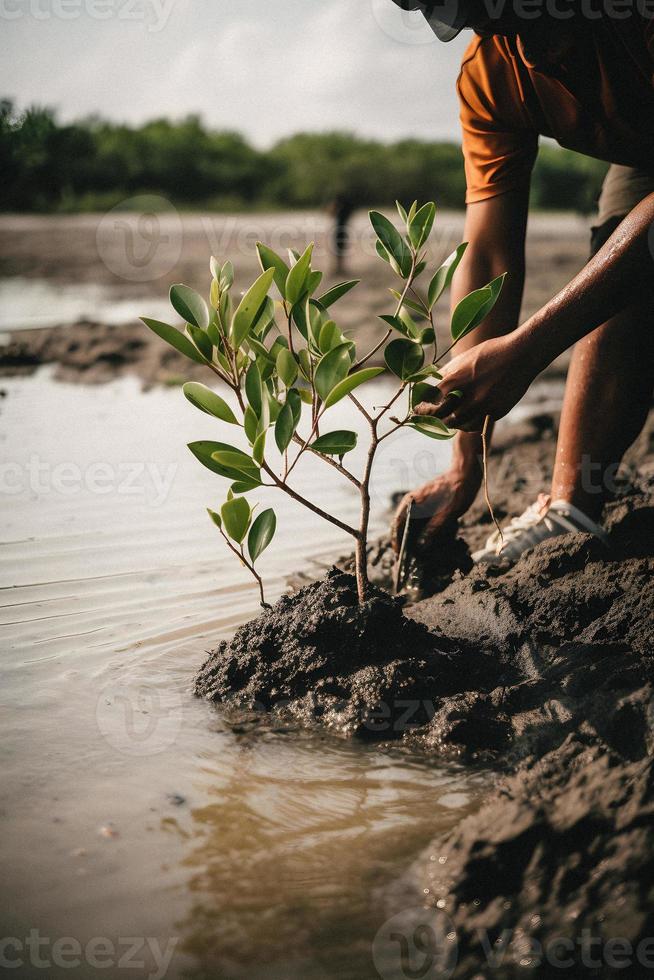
{"x":623,"y":189}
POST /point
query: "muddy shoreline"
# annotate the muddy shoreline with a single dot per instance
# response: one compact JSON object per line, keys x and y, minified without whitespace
{"x":544,"y":672}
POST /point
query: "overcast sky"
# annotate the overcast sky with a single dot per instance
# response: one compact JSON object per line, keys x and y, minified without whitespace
{"x":265,"y":67}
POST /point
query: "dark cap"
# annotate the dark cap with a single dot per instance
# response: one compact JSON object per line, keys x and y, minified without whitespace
{"x":445,"y":17}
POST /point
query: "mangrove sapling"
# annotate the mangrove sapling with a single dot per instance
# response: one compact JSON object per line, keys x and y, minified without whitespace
{"x":288,"y":359}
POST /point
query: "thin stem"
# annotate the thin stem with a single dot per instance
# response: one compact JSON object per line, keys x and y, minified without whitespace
{"x":390,"y":404}
{"x":223,"y":377}
{"x":363,"y":411}
{"x":307,"y":503}
{"x":361,"y":556}
{"x":484,"y":446}
{"x":326,"y":459}
{"x":250,"y":567}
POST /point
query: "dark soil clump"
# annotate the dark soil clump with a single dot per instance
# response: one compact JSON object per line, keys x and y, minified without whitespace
{"x":546,"y":670}
{"x":370,"y":671}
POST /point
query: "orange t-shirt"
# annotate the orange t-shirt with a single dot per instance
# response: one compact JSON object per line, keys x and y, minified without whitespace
{"x":599,"y":101}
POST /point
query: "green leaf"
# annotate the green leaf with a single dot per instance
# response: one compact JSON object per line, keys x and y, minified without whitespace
{"x":261,"y":533}
{"x":443,"y":276}
{"x":204,"y":451}
{"x":417,"y":308}
{"x":305,"y":363}
{"x":412,"y":211}
{"x":227,"y":276}
{"x":401,"y":211}
{"x":404,"y":358}
{"x":250,"y":424}
{"x":331,"y":369}
{"x":190,"y":305}
{"x":397,"y":323}
{"x":236,"y":515}
{"x":422,"y":392}
{"x":293,"y":399}
{"x":215,"y":267}
{"x":313,"y":280}
{"x":475,"y":307}
{"x":287,"y":368}
{"x":335,"y":443}
{"x":243,"y":486}
{"x":431,"y":427}
{"x":268,"y":259}
{"x":426,"y":336}
{"x":421,"y":225}
{"x":214,"y":517}
{"x":208,"y":401}
{"x":253,"y":389}
{"x":382,"y":253}
{"x":214,"y":294}
{"x":330,"y":337}
{"x":295,"y":282}
{"x":409,"y":323}
{"x":264,"y":415}
{"x":259,"y":447}
{"x":284,"y":428}
{"x":175,"y":338}
{"x":429,"y":371}
{"x":336,"y":292}
{"x":260,"y":350}
{"x":243,"y":466}
{"x":392,"y":241}
{"x":316,"y":316}
{"x":247,"y":310}
{"x":201,"y":341}
{"x":348,"y":384}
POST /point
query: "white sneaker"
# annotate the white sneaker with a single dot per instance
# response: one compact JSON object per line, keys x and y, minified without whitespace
{"x":541,"y":521}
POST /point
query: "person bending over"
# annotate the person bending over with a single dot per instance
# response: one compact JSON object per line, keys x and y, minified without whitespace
{"x":588,"y":82}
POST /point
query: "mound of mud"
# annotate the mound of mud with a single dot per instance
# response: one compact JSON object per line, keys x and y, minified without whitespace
{"x":319,"y":657}
{"x":544,"y":670}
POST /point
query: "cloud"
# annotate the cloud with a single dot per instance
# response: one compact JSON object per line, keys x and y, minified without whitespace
{"x":300,"y":64}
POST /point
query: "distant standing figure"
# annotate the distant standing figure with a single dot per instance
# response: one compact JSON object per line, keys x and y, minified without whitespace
{"x":341,"y":210}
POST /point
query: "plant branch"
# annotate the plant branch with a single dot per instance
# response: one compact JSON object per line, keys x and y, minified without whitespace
{"x":363,"y":411}
{"x":308,"y":503}
{"x":250,"y":567}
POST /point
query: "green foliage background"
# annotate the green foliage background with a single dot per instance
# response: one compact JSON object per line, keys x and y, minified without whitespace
{"x":95,"y":164}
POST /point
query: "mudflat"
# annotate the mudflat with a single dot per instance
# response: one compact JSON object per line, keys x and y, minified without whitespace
{"x":127,"y":261}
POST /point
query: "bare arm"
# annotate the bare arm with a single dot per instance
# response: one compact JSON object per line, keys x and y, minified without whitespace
{"x":496,"y":230}
{"x":494,"y":375}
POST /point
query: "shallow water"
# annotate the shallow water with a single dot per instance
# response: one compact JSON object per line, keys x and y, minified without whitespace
{"x":27,"y":304}
{"x":128,"y":807}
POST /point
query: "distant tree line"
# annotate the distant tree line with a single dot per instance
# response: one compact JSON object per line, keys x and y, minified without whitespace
{"x":95,"y":164}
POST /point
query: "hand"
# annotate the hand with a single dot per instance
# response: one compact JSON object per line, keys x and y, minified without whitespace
{"x":436,"y":504}
{"x":492,"y":377}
